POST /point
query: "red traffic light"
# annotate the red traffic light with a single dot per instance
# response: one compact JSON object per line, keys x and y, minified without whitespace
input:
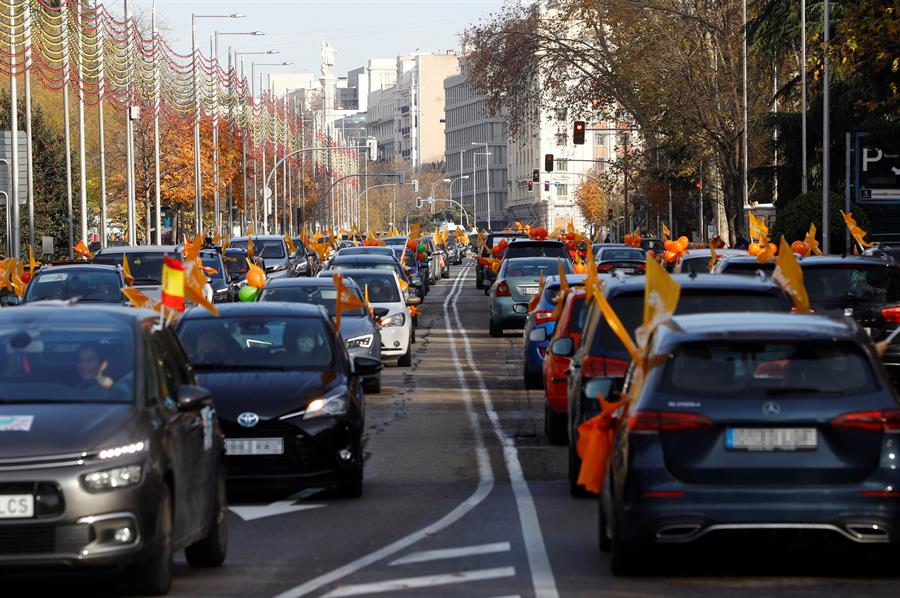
{"x":531,"y":186}
{"x":699,"y":184}
{"x":546,"y":185}
{"x":578,"y":133}
{"x":548,"y":162}
{"x":536,"y":175}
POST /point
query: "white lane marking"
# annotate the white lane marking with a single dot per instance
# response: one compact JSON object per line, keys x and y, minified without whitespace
{"x":281,"y":507}
{"x":451,"y":553}
{"x":538,"y":561}
{"x":427,"y":581}
{"x":485,"y":485}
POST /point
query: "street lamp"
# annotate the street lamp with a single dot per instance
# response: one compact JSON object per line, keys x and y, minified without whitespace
{"x":433,"y":185}
{"x":462,"y":177}
{"x":487,"y":181}
{"x":198,"y":186}
{"x":253,"y":66}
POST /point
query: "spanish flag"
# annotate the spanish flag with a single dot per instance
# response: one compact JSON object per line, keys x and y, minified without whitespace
{"x":173,"y":284}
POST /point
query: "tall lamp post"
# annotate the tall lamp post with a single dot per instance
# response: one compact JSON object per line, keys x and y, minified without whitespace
{"x":487,"y":180}
{"x":253,"y":66}
{"x":198,"y":175}
{"x":459,"y":178}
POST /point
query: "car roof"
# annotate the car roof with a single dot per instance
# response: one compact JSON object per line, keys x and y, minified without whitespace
{"x":399,"y":239}
{"x":725,"y":282}
{"x":350,"y":272}
{"x":80,"y":312}
{"x":324,"y":281}
{"x":364,"y":258}
{"x":79,"y":266}
{"x":533,"y":258}
{"x":775,"y":325}
{"x":843,"y":260}
{"x":141,"y":249}
{"x":260,"y":238}
{"x":724,"y":252}
{"x":256,"y":308}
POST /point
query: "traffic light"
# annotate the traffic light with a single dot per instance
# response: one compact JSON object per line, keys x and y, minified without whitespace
{"x":578,"y":134}
{"x":418,"y":201}
{"x":536,"y":175}
{"x":548,"y":162}
{"x":531,"y":186}
{"x":415,"y":184}
{"x":372,"y":148}
{"x":699,"y":184}
{"x":546,"y":185}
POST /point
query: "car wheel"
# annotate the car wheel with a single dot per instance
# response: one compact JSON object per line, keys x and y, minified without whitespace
{"x":604,"y":542}
{"x":555,"y":425}
{"x":350,"y":482}
{"x":153,"y":577}
{"x":575,"y":489}
{"x":533,"y":380}
{"x":495,"y":330}
{"x":212,"y":550}
{"x":373,"y":386}
{"x":405,"y":360}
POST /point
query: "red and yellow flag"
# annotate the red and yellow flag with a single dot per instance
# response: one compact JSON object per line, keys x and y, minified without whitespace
{"x":346,"y":299}
{"x":173,"y":284}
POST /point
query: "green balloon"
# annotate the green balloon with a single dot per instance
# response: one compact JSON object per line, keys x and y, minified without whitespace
{"x":248,"y":293}
{"x":421,"y":248}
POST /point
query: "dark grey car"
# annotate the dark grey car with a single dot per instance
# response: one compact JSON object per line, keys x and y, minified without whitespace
{"x":110,"y":454}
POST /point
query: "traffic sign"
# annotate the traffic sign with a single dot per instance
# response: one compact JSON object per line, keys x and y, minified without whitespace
{"x":877,"y":174}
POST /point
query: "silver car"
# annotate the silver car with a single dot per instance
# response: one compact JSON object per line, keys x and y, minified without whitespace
{"x":518,"y":280}
{"x":362,"y":336}
{"x":145,"y":262}
{"x":273,"y":251}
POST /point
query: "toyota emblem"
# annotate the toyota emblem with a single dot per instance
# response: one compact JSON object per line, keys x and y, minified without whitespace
{"x":771,"y":409}
{"x":248,"y":419}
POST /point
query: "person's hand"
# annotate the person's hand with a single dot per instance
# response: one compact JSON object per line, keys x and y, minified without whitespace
{"x":103,"y":381}
{"x":881,"y":347}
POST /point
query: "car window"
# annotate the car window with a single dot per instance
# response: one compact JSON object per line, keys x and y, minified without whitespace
{"x":852,"y":284}
{"x":325,"y":296}
{"x":621,"y":254}
{"x":513,"y":269}
{"x":536,"y":250}
{"x":577,"y":317}
{"x":268,"y":249}
{"x":630,"y":309}
{"x":64,"y":361}
{"x":263,"y":342}
{"x":744,"y":368}
{"x":215,"y":264}
{"x":146,"y":267}
{"x":89,"y":286}
{"x":236,"y":264}
{"x":747,"y":268}
{"x":382,"y":289}
{"x":696,"y":265}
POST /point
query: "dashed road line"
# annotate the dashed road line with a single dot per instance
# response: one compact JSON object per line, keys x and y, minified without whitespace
{"x":426,"y":581}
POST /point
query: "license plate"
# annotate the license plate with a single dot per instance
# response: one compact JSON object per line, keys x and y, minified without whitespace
{"x":529,"y":290}
{"x":16,"y":506}
{"x":627,"y":270}
{"x":771,"y":439}
{"x":254,"y":446}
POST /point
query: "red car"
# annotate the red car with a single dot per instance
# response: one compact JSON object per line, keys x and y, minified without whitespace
{"x":571,"y":323}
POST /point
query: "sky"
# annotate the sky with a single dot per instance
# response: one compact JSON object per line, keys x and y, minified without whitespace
{"x":357,"y":29}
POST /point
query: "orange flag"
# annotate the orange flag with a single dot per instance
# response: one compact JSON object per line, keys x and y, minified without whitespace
{"x":82,"y":249}
{"x":346,"y":299}
{"x":811,"y":242}
{"x":126,"y":272}
{"x":537,"y":296}
{"x":857,"y":233}
{"x":595,"y":443}
{"x":192,"y":249}
{"x":140,"y":299}
{"x":789,"y":276}
{"x":592,"y":282}
{"x":194,"y":282}
{"x":563,"y":291}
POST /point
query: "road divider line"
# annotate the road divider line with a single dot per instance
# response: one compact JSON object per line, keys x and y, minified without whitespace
{"x":451,"y":553}
{"x":485,"y":485}
{"x":541,"y":572}
{"x":426,"y":581}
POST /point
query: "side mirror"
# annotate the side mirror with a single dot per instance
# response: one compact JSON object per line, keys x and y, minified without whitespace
{"x":193,"y":398}
{"x":537,"y":335}
{"x":610,"y":388}
{"x":380,"y":312}
{"x":366,"y":366}
{"x":10,"y":300}
{"x":414,"y":301}
{"x":563,"y":347}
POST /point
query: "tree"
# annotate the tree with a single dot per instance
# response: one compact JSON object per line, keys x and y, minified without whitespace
{"x":593,"y":201}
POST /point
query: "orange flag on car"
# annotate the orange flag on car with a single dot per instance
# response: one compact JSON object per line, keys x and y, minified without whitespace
{"x":346,"y":299}
{"x":595,"y":443}
{"x":126,"y":272}
{"x":173,"y":284}
{"x":82,"y":250}
{"x":789,"y":276}
{"x":537,"y":296}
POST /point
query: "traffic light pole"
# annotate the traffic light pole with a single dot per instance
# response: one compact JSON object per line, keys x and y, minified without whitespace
{"x":625,"y":169}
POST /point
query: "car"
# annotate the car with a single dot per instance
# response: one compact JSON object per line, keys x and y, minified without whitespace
{"x":367,"y":250}
{"x":517,"y":282}
{"x":361,"y":334}
{"x":414,"y":270}
{"x":697,"y":260}
{"x":117,"y":458}
{"x":570,"y":325}
{"x":223,"y":288}
{"x":441,"y":258}
{"x":274,"y":253}
{"x":86,"y":282}
{"x":490,"y":241}
{"x":235,"y":260}
{"x":602,"y":355}
{"x":375,"y":262}
{"x":627,"y":260}
{"x":539,"y":326}
{"x":653,"y":244}
{"x":455,"y":251}
{"x":397,"y":329}
{"x":289,"y":397}
{"x":303,"y":253}
{"x":791,"y":414}
{"x":742,"y":265}
{"x":432,"y":262}
{"x":525,"y":247}
{"x":145,"y":262}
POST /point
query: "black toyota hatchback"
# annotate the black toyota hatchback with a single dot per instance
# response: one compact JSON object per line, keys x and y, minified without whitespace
{"x":110,"y":454}
{"x":289,"y":397}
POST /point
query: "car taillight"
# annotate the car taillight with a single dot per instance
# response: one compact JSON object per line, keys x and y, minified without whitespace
{"x":891,"y":314}
{"x":642,"y":267}
{"x":667,"y":421}
{"x":603,"y":366}
{"x":542,"y":316}
{"x":605,"y":267}
{"x":869,"y":421}
{"x":503,"y":289}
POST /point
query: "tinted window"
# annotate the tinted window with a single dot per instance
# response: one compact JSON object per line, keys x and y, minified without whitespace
{"x":382,"y":289}
{"x":495,"y":239}
{"x":97,"y":286}
{"x":270,"y":249}
{"x":57,"y":360}
{"x":630,"y":309}
{"x":536,"y":250}
{"x":729,"y":369}
{"x":236,"y":264}
{"x":577,"y":319}
{"x":621,"y":254}
{"x":145,"y":267}
{"x":747,"y":268}
{"x":391,"y":267}
{"x":852,"y":284}
{"x":325,"y":296}
{"x":512,"y":269}
{"x":697,"y":264}
{"x":257,"y":342}
{"x":215,"y":264}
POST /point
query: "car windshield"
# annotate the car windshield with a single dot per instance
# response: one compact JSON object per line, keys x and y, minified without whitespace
{"x":752,"y":368}
{"x":382,"y":289}
{"x":315,"y":295}
{"x":257,"y":342}
{"x":696,"y":264}
{"x":621,"y":254}
{"x":215,"y":264}
{"x":89,"y":286}
{"x":533,"y":268}
{"x":392,"y":267}
{"x":630,"y":309}
{"x":236,"y":264}
{"x":840,"y":285}
{"x":747,"y":268}
{"x":495,"y":239}
{"x":266,"y":249}
{"x":146,"y":267}
{"x":57,"y":360}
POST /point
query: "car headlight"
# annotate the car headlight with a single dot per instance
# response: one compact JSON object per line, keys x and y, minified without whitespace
{"x":276,"y":267}
{"x":333,"y":404}
{"x":360,"y":342}
{"x":110,"y":479}
{"x":398,"y":319}
{"x":220,"y":292}
{"x":124,"y":450}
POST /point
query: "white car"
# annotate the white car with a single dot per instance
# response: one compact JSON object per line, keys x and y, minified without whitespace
{"x":396,"y":327}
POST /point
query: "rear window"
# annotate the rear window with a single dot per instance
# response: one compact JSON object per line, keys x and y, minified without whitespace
{"x":697,"y":265}
{"x":146,"y":267}
{"x":382,"y":289}
{"x":517,"y":268}
{"x":89,"y":286}
{"x":266,"y":249}
{"x":848,"y":285}
{"x":751,"y":368}
{"x":621,"y":254}
{"x":325,"y":296}
{"x":215,"y":264}
{"x":576,"y":322}
{"x":630,"y":309}
{"x":495,"y":239}
{"x":536,"y":250}
{"x":747,"y":268}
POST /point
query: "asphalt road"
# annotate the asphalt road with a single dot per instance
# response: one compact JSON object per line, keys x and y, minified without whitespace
{"x":464,"y":497}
